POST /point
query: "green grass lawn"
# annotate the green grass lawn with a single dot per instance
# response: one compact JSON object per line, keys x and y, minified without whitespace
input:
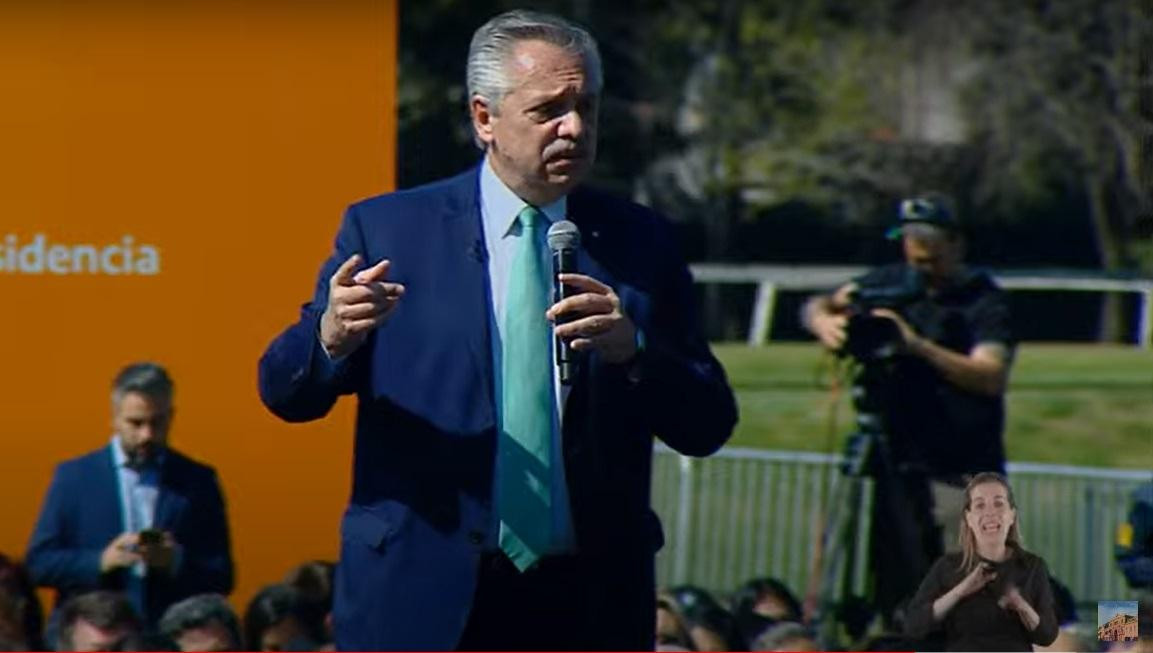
{"x":1067,"y":404}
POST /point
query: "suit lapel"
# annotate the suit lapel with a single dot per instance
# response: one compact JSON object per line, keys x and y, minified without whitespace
{"x":169,"y":502}
{"x":591,"y":224}
{"x":109,"y":493}
{"x":467,"y":263}
{"x":589,"y":221}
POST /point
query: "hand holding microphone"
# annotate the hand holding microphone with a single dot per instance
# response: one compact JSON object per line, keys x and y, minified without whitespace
{"x":587,"y":312}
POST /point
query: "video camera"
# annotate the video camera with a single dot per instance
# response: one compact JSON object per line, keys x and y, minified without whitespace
{"x":870,"y":338}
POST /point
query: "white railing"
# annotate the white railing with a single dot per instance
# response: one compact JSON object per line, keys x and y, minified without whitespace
{"x":746,"y":513}
{"x":771,"y":278}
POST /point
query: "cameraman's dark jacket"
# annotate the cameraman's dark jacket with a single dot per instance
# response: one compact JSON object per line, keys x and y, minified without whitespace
{"x":933,"y":425}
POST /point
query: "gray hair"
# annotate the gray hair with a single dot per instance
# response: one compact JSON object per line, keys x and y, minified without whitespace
{"x":197,"y":612}
{"x":148,"y":379}
{"x":493,"y":42}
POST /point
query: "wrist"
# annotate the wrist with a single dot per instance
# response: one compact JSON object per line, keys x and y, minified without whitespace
{"x":918,"y":345}
{"x":326,"y":334}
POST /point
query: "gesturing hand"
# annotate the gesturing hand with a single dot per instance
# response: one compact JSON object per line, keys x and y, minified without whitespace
{"x":595,"y":320}
{"x":978,"y":578}
{"x":1013,"y":601}
{"x":358,"y":302}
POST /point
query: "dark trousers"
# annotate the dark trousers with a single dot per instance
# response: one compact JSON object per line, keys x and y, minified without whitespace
{"x":560,"y":604}
{"x":905,"y":541}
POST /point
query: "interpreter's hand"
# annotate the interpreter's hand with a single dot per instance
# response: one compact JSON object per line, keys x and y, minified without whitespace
{"x":358,"y":303}
{"x":909,"y":336}
{"x":120,"y":552}
{"x":978,"y":578}
{"x":1012,"y":599}
{"x":595,"y":321}
{"x":159,"y":555}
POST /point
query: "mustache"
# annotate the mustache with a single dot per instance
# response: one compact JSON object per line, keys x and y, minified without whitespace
{"x":565,"y":148}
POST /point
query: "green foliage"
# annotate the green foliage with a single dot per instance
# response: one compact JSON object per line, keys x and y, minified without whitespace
{"x":722,"y":112}
{"x":1063,"y":99}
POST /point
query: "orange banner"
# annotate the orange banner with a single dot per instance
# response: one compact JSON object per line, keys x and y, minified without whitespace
{"x":172,"y":176}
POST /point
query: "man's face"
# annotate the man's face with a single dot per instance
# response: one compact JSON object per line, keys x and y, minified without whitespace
{"x":87,"y":637}
{"x":938,"y":259}
{"x":142,"y":423}
{"x":541,"y":138}
{"x":213,"y":636}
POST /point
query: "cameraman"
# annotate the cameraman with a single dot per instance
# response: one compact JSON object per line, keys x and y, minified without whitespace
{"x":943,"y":412}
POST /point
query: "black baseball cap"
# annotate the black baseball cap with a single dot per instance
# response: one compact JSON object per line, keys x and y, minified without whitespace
{"x":923,"y":210}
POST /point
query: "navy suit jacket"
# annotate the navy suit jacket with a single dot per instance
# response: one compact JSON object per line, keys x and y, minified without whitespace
{"x":82,"y":513}
{"x":420,"y":510}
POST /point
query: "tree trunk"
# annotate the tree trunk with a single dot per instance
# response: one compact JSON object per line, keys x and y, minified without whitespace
{"x":1111,"y":251}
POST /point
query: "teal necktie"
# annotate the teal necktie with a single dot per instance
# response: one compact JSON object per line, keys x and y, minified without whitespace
{"x":524,"y":491}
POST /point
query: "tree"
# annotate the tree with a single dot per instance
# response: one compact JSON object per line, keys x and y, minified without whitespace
{"x":1065,"y":97}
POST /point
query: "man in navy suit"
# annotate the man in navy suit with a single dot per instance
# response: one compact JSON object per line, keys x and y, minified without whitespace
{"x":134,"y":515}
{"x":494,"y":505}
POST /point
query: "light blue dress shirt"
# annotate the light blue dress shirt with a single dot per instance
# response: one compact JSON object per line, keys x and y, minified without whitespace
{"x":139,"y":489}
{"x":499,"y":208}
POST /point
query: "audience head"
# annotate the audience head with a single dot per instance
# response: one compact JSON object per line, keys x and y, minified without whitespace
{"x":21,"y":617}
{"x":275,"y":621}
{"x":990,"y":517}
{"x":762,"y":602}
{"x":314,"y":581}
{"x":142,"y":641}
{"x":142,"y":410}
{"x":204,"y":622}
{"x":785,"y":636}
{"x":672,"y":634}
{"x":96,"y":621}
{"x":711,"y":627}
{"x":892,"y":642}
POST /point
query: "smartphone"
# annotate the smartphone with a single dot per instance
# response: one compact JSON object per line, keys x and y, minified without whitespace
{"x":151,"y":536}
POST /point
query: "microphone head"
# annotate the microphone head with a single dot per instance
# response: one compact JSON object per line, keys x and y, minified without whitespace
{"x":563,"y":235}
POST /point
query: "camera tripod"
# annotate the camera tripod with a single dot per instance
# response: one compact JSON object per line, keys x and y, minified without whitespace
{"x":846,"y":565}
{"x":874,"y":547}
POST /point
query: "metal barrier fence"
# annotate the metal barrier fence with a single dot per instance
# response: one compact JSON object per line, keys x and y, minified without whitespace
{"x":746,"y":513}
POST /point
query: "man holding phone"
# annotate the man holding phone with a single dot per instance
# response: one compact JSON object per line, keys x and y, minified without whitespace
{"x":134,"y":515}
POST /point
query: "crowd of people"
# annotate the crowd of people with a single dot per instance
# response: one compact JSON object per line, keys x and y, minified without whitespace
{"x":763,"y":614}
{"x":992,"y":594}
{"x":142,"y":573}
{"x":291,"y":615}
{"x":296,"y":615}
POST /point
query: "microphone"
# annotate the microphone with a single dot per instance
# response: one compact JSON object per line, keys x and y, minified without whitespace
{"x":563,"y":241}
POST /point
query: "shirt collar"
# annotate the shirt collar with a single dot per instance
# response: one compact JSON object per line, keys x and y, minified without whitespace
{"x":120,"y":459}
{"x":502,"y":206}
